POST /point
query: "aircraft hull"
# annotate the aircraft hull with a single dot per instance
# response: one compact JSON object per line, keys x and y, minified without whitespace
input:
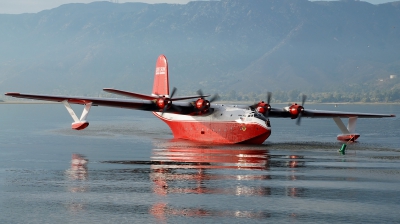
{"x":221,"y":132}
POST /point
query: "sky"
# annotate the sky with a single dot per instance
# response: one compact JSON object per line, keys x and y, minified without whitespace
{"x":33,"y":6}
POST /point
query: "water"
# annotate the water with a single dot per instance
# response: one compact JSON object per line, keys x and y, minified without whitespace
{"x":137,"y":174}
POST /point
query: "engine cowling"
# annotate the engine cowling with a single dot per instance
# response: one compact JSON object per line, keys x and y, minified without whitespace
{"x":163,"y":102}
{"x":202,"y":105}
{"x":263,"y":107}
{"x":295,"y":110}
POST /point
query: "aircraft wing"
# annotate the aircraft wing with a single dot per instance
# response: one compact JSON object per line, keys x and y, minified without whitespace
{"x":326,"y":114}
{"x":147,"y":97}
{"x":136,"y":104}
{"x":130,"y":94}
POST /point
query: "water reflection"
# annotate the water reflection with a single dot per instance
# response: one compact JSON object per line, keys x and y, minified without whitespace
{"x":213,"y":158}
{"x":78,"y":169}
{"x":216,"y":170}
{"x":77,"y":176}
{"x":161,"y":211}
{"x":192,"y":166}
{"x":228,"y":171}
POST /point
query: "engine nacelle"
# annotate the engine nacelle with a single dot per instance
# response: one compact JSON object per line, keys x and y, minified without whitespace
{"x":262,"y":107}
{"x":163,"y":102}
{"x":295,"y":110}
{"x":202,"y":105}
{"x":80,"y":125}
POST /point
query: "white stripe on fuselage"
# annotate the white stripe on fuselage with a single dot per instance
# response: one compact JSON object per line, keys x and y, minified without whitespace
{"x":220,"y":114}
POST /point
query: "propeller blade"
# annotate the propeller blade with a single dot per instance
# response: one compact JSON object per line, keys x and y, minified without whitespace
{"x":214,"y":98}
{"x":170,"y":99}
{"x":303,"y":100}
{"x":298,"y":121}
{"x":269,"y":95}
{"x":164,"y":109}
{"x":173,"y":93}
{"x":176,"y":108}
{"x":199,"y":92}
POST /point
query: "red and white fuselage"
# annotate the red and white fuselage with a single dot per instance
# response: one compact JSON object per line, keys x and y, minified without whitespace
{"x":226,"y":125}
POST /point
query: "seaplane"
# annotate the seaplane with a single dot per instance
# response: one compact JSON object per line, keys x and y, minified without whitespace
{"x":198,"y":118}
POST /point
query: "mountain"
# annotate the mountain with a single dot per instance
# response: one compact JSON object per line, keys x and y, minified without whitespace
{"x":218,"y":46}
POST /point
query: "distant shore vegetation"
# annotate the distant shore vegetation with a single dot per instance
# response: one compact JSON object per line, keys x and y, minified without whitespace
{"x":376,"y":96}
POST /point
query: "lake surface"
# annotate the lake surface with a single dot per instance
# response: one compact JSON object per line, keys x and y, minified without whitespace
{"x":136,"y":172}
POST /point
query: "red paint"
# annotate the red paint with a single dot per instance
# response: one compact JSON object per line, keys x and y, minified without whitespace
{"x":263,"y":107}
{"x":227,"y":132}
{"x":221,"y":158}
{"x":202,"y":105}
{"x":78,"y":101}
{"x":80,"y":125}
{"x":161,"y":83}
{"x":348,"y":137}
{"x":295,"y":110}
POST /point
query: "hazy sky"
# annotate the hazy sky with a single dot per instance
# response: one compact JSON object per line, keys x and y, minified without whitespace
{"x":24,"y":6}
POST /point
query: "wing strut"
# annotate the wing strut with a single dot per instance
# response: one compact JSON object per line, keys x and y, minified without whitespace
{"x":78,"y":124}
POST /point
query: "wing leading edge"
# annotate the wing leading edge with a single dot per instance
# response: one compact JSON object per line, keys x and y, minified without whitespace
{"x":329,"y":114}
{"x":136,"y":104}
{"x":326,"y":114}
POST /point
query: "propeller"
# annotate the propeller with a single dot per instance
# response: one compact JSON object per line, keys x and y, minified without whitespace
{"x":213,"y":98}
{"x":297,"y":111}
{"x":269,"y":95}
{"x":168,"y":101}
{"x":303,"y":100}
{"x":165,"y":103}
{"x":262,"y":107}
{"x":203,"y":104}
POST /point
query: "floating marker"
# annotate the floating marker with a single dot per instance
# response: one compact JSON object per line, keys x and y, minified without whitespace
{"x":342,"y":150}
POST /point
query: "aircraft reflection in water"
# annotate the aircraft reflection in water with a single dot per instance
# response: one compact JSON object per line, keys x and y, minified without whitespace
{"x":178,"y":170}
{"x":79,"y":169}
{"x":187,"y":169}
{"x":78,"y":175}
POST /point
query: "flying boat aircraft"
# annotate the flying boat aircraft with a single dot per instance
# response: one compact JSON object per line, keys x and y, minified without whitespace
{"x":197,"y":118}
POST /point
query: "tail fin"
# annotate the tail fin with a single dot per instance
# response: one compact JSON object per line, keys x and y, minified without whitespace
{"x":161,"y":83}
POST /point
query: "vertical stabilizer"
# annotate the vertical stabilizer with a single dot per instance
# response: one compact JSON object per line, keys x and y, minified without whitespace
{"x":161,"y":83}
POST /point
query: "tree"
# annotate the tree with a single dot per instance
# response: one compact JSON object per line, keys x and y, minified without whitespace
{"x":293,"y":95}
